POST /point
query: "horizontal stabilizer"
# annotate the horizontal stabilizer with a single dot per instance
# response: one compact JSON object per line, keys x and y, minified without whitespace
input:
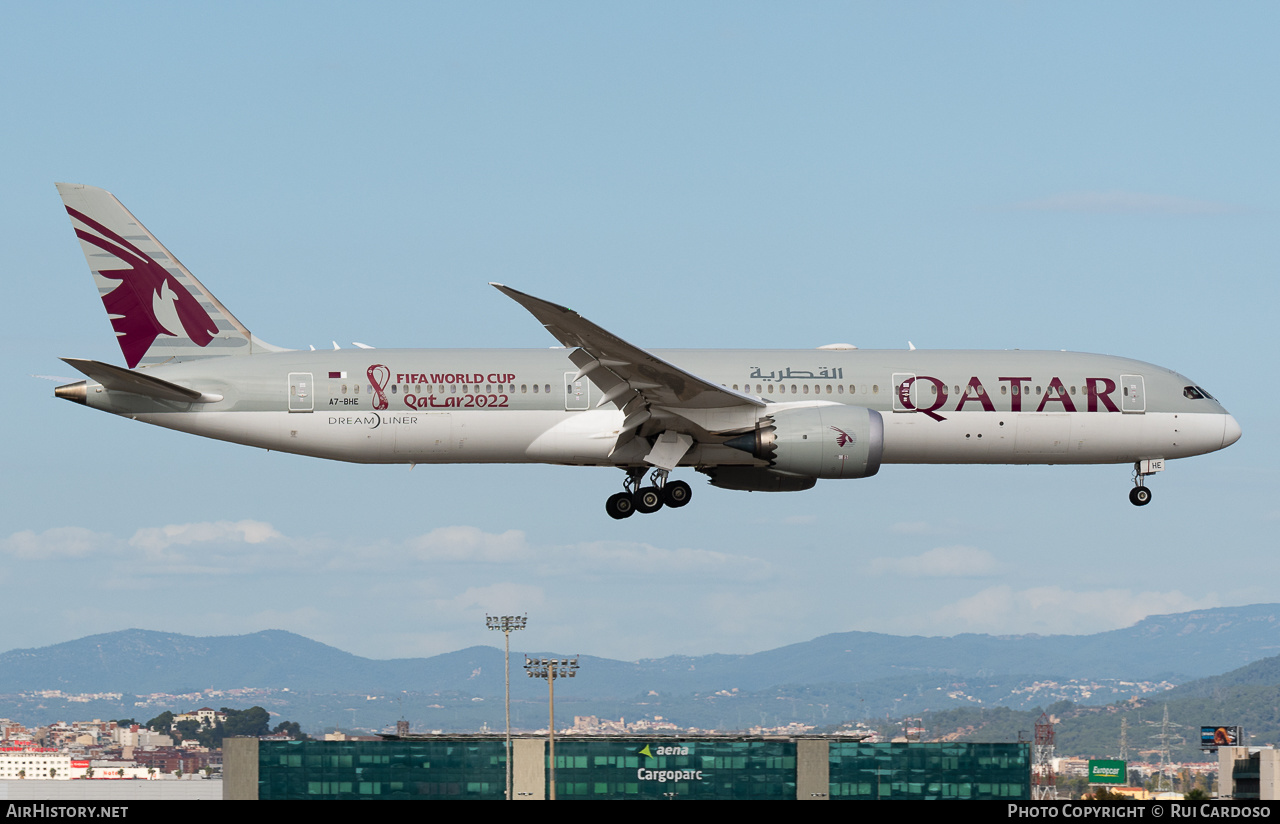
{"x":119,"y":379}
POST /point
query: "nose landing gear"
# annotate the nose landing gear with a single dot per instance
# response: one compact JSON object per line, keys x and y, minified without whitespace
{"x":1140,"y":495}
{"x":646,"y":499}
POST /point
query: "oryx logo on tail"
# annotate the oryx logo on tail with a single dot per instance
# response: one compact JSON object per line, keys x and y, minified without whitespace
{"x":149,"y":302}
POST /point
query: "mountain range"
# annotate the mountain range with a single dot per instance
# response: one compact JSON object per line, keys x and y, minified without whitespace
{"x":831,"y":678}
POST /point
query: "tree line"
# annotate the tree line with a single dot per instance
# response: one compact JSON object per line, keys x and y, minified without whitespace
{"x":254,"y":722}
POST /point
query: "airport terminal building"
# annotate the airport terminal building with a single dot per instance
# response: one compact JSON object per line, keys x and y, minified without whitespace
{"x":606,"y":767}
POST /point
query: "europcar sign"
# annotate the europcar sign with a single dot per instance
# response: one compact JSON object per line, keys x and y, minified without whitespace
{"x":1107,"y":772}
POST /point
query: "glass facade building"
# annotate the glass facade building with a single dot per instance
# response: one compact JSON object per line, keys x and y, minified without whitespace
{"x":712,"y":767}
{"x":926,"y":771}
{"x":679,"y":768}
{"x":423,"y":769}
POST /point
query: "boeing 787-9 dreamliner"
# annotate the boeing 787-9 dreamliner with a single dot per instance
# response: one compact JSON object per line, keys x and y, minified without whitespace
{"x":761,"y":420}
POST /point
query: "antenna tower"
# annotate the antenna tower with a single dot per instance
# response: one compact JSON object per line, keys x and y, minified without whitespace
{"x":1163,"y":784}
{"x":1044,"y":784}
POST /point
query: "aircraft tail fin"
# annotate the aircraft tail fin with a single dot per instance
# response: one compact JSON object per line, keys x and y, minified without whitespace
{"x":159,"y":311}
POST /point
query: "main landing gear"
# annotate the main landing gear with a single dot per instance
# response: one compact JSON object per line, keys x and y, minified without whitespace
{"x":1140,"y":495}
{"x":646,"y":499}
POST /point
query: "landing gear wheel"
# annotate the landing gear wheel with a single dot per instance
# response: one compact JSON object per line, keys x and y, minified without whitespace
{"x":620,"y":505}
{"x":676,"y":494}
{"x":1139,"y":496}
{"x":648,"y":499}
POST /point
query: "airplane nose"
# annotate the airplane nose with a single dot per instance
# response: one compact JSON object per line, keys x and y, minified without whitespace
{"x":1230,"y":431}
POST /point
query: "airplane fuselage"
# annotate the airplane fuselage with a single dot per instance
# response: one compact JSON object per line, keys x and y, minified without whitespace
{"x":752,"y":420}
{"x":523,"y":406}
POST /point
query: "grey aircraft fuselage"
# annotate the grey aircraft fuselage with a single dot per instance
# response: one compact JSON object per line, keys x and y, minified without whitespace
{"x":521,"y":406}
{"x":755,"y":420}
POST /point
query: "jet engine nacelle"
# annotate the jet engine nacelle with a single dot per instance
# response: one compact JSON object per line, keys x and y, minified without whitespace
{"x":830,"y":441}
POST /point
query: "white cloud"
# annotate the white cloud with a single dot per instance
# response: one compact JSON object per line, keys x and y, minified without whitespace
{"x":1054,"y":610}
{"x":1126,"y":203}
{"x":940,"y":562}
{"x":58,"y":542}
{"x":468,"y":543}
{"x":214,"y":548}
{"x":505,"y":598}
{"x":157,"y":539}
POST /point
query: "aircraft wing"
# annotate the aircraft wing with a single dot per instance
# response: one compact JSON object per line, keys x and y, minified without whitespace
{"x":639,"y":383}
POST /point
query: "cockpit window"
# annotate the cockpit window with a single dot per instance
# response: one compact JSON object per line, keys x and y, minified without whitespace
{"x":1195,"y":393}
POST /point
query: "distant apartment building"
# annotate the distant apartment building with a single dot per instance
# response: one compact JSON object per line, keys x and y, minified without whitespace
{"x":139,"y":737}
{"x":205,"y":717}
{"x":34,"y":763}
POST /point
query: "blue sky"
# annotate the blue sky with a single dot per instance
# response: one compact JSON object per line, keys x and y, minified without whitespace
{"x":1076,"y":176}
